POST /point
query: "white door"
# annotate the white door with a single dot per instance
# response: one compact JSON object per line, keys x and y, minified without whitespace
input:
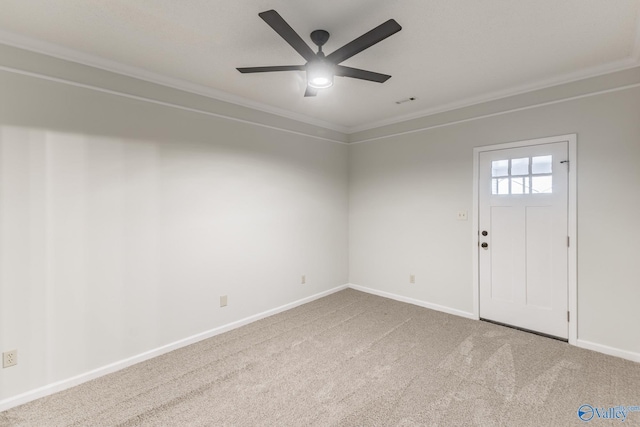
{"x":523,"y":243}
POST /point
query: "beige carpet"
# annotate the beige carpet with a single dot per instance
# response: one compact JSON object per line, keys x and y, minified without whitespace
{"x":353,"y":359}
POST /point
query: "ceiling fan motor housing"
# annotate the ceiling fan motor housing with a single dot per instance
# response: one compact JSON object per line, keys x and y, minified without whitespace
{"x":319,"y":38}
{"x":320,"y":73}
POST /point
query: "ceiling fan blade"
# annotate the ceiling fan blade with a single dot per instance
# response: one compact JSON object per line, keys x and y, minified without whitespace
{"x":310,"y":91}
{"x":365,"y":41}
{"x":357,"y":73}
{"x":281,"y":27}
{"x":269,"y":69}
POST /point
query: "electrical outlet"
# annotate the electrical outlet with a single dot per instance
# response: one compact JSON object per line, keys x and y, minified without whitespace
{"x":462,"y":215}
{"x":303,"y":279}
{"x":223,"y":301}
{"x":412,"y":278}
{"x":9,"y":358}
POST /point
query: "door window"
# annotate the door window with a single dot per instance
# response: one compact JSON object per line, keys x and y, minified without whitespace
{"x":525,"y":175}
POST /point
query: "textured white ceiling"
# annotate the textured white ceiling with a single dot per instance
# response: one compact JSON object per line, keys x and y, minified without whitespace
{"x":449,"y":52}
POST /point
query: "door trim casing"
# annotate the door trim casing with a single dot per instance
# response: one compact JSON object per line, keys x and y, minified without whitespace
{"x":572,"y":261}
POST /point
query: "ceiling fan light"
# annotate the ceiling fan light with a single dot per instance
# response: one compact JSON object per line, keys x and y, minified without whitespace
{"x":319,"y":75}
{"x":321,"y":82}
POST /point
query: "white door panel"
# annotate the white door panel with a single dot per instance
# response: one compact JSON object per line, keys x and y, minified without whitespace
{"x":523,"y":202}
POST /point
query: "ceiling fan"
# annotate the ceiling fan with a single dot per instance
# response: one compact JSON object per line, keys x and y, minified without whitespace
{"x":321,"y":69}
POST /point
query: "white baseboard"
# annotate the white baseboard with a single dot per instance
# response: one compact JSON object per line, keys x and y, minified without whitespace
{"x":611,"y":351}
{"x":414,"y":301}
{"x":116,"y":366}
{"x":600,"y":348}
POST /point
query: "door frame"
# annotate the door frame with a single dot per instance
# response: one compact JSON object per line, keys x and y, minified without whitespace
{"x":572,"y":261}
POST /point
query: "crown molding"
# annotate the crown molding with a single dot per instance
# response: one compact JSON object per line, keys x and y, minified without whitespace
{"x":67,"y":54}
{"x":166,"y":104}
{"x":630,"y":62}
{"x":499,"y":113}
{"x":636,"y":46}
{"x":600,"y":70}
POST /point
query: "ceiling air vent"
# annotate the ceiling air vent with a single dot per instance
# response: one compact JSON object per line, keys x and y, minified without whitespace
{"x":402,"y":101}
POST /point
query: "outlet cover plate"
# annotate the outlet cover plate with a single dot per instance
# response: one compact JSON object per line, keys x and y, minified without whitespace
{"x":9,"y":358}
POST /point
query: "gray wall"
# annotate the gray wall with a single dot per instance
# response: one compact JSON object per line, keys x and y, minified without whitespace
{"x":122,"y":222}
{"x":122,"y":219}
{"x":406,"y":190}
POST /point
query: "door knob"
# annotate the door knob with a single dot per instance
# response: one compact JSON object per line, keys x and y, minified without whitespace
{"x":484,"y":232}
{"x":484,"y":245}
